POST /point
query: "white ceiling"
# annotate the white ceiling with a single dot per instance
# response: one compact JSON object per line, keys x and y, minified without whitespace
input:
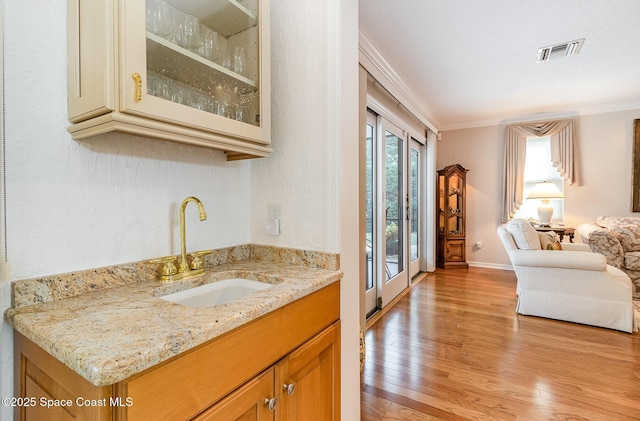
{"x":472,"y":63}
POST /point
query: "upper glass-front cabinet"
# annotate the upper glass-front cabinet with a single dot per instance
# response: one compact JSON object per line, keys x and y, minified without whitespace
{"x":194,"y":71}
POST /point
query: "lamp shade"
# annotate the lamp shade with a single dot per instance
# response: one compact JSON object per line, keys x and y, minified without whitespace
{"x":545,"y":190}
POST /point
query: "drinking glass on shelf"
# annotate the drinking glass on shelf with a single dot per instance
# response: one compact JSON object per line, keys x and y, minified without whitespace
{"x":209,"y":47}
{"x":187,"y":29}
{"x":225,"y":60}
{"x":177,"y":94}
{"x":221,"y":109}
{"x":159,"y":18}
{"x":239,"y":60}
{"x":241,"y":113}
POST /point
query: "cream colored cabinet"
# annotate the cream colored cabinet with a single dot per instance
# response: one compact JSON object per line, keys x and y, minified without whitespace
{"x":195,"y":72}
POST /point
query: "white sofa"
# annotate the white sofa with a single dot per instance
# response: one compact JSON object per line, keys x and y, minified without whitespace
{"x":572,"y":284}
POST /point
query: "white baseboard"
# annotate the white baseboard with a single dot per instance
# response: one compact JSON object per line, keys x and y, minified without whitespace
{"x":490,"y":265}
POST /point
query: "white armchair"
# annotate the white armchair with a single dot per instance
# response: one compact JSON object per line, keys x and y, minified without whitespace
{"x":572,"y":284}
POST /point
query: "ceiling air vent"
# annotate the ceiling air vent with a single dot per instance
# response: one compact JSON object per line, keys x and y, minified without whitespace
{"x":565,"y":49}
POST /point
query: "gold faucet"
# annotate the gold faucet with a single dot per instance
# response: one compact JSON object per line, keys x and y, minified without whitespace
{"x":169,"y":271}
{"x":184,"y":264}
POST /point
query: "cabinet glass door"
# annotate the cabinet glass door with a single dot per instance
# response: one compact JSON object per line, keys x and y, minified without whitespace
{"x":441,"y":205}
{"x":455,"y":205}
{"x":198,"y":62}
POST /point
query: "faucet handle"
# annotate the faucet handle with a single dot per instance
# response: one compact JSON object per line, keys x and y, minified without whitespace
{"x":196,"y":259}
{"x":169,"y":268}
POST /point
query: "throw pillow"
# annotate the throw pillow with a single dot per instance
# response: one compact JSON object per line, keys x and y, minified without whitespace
{"x":549,"y":241}
{"x":524,"y":235}
{"x":554,"y":245}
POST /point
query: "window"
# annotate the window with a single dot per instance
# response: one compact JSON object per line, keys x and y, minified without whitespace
{"x":538,"y":168}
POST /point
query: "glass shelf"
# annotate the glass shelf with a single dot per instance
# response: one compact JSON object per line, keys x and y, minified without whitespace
{"x":168,"y":58}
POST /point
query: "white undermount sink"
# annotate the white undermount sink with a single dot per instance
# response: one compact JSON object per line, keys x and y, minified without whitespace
{"x":216,"y":293}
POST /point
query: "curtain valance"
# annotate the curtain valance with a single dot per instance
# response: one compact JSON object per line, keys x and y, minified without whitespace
{"x":561,"y":134}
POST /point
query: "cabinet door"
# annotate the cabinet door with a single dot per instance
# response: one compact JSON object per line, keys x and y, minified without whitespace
{"x":249,"y":403}
{"x":308,"y":379}
{"x":199,"y":63}
{"x":455,"y":251}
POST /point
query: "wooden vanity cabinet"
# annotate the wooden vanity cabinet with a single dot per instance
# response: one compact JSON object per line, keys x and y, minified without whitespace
{"x":302,"y":386}
{"x":227,"y":378}
{"x":139,"y":67}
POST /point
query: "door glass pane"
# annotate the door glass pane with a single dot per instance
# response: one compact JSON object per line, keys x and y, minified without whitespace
{"x":370,"y":240}
{"x":205,"y":55}
{"x":414,"y":211}
{"x":394,"y":205}
{"x":455,"y":205}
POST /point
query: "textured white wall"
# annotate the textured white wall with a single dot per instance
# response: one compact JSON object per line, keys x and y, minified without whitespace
{"x":298,"y":174}
{"x":603,"y":152}
{"x":312,"y":173}
{"x":74,"y":205}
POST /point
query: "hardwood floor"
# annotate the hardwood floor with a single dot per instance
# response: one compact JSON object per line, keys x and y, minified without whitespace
{"x":454,"y":349}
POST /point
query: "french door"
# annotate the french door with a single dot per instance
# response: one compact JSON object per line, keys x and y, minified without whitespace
{"x":393,"y":211}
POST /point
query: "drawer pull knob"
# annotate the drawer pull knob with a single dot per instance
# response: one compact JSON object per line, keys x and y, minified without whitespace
{"x":271,"y":403}
{"x":289,"y":388}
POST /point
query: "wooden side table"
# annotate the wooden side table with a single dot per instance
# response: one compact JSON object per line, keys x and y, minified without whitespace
{"x":561,"y":231}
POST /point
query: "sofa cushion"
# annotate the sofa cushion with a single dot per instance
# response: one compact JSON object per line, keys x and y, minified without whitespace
{"x":524,"y":235}
{"x":549,"y":241}
{"x":625,"y":229}
{"x":632,"y":260}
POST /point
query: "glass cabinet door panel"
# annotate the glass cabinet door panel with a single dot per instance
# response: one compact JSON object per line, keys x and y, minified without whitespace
{"x":204,"y":54}
{"x":200,"y":64}
{"x":441,"y":204}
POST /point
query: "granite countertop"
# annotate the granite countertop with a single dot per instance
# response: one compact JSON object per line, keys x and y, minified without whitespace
{"x":113,"y":333}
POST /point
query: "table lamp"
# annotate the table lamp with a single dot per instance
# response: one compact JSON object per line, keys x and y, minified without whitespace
{"x":545,"y":191}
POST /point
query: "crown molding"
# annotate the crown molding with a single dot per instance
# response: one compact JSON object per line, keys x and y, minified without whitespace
{"x":550,"y":115}
{"x":375,"y":64}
